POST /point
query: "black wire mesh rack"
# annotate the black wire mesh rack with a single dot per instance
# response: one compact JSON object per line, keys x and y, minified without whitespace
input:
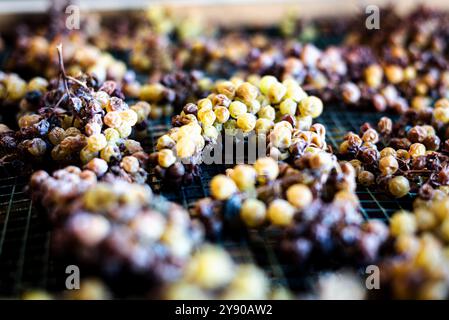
{"x":26,"y":260}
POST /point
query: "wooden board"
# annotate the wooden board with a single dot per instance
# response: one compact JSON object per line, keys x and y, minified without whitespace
{"x":217,"y":12}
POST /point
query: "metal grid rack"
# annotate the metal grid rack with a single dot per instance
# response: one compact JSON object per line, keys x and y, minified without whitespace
{"x":25,"y":255}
